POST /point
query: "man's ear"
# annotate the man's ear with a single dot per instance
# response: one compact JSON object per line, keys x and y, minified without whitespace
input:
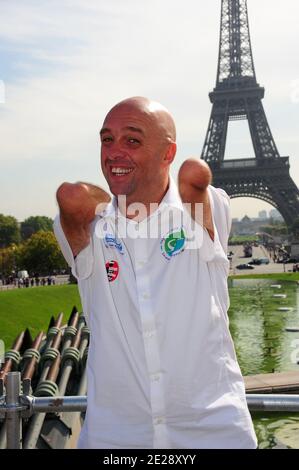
{"x":170,"y":153}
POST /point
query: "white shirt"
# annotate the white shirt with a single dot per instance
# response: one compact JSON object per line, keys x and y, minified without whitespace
{"x":162,"y":370}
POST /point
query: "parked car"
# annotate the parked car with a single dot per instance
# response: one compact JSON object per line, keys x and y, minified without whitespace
{"x":255,"y":261}
{"x":264,"y":260}
{"x":294,"y":259}
{"x":245,"y":266}
{"x":258,"y":261}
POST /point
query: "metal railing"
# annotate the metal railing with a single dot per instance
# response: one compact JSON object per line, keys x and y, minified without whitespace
{"x":16,"y":405}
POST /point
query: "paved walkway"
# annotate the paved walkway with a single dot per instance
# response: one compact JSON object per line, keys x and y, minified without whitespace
{"x":258,"y":252}
{"x":283,"y":382}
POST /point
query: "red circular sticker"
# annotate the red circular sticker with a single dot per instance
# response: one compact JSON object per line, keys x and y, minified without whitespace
{"x":112,"y":269}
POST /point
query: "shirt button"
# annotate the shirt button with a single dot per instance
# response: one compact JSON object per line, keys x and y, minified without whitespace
{"x":159,"y":420}
{"x":145,"y":296}
{"x":149,"y":334}
{"x":155,"y":377}
{"x":141,"y":263}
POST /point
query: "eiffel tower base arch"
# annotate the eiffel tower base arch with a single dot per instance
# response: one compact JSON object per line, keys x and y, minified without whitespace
{"x":268,"y":180}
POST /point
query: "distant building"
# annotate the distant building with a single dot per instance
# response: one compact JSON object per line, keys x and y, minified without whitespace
{"x":248,"y":226}
{"x":253,"y":225}
{"x":263,"y":215}
{"x":243,"y":227}
{"x":274,"y":214}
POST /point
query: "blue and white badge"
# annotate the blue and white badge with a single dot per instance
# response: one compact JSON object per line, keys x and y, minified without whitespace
{"x":113,"y":242}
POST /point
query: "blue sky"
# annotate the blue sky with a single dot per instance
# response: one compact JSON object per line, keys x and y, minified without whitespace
{"x":65,"y":63}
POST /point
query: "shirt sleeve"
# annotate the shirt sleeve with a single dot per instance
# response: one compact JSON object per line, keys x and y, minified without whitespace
{"x":219,"y":266}
{"x":82,"y":265}
{"x":213,"y":250}
{"x":220,"y":206}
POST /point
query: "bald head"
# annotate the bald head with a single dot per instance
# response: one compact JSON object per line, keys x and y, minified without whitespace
{"x":138,"y":147}
{"x":156,"y":112}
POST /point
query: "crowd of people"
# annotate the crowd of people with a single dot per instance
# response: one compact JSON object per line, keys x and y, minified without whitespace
{"x":34,"y":281}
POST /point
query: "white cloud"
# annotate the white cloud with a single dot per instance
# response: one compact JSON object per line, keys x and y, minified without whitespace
{"x":73,"y":60}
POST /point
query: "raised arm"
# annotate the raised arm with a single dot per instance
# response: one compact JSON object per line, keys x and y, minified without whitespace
{"x":194,"y":177}
{"x":77,"y":203}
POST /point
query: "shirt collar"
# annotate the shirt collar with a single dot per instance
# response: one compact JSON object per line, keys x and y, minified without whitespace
{"x":171,"y":199}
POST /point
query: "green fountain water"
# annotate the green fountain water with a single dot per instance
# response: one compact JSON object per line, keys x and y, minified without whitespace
{"x":260,"y":315}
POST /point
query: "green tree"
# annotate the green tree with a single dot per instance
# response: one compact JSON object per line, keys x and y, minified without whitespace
{"x":9,"y":230}
{"x":9,"y":258}
{"x":41,"y":254}
{"x":276,"y":229}
{"x":35,"y":224}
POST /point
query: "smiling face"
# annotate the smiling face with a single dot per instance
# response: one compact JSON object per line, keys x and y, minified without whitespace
{"x":137,"y":149}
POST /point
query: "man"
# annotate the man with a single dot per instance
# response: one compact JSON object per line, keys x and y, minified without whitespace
{"x":162,"y":371}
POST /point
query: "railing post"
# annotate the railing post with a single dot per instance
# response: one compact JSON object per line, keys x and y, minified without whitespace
{"x":13,"y":410}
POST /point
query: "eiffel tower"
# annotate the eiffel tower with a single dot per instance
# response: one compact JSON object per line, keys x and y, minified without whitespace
{"x":238,"y":96}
